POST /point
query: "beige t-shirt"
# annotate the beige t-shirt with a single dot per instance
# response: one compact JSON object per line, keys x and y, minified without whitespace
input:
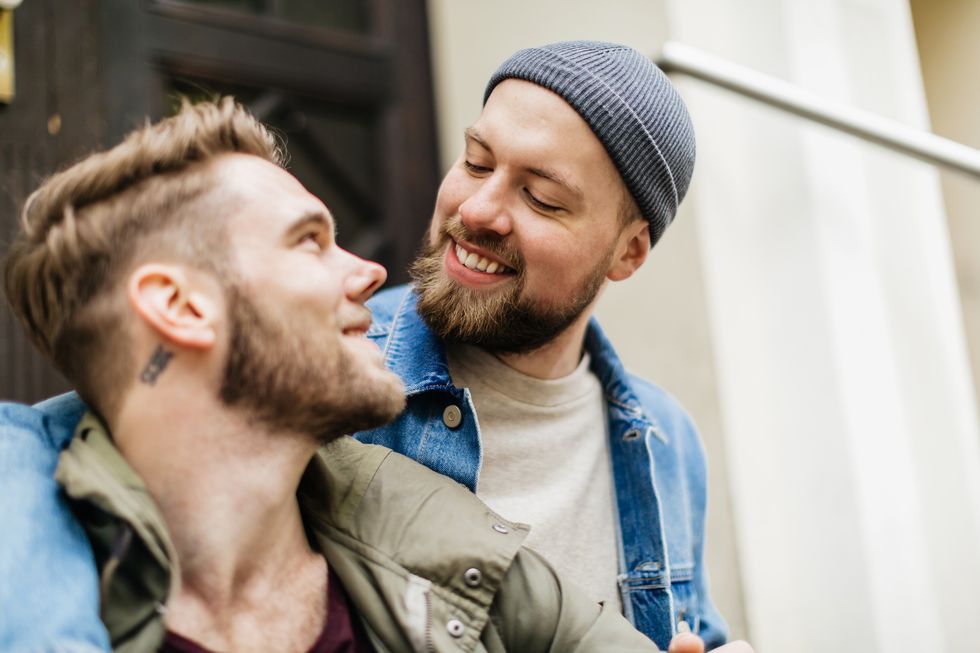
{"x":546,"y":463}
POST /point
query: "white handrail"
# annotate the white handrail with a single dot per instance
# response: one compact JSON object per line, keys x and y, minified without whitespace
{"x":680,"y":58}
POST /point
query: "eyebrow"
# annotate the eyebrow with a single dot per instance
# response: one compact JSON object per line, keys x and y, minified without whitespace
{"x":470,"y":133}
{"x":318,"y":218}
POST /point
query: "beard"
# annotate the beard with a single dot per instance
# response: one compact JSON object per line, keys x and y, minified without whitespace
{"x":504,"y":321}
{"x":302,"y":380}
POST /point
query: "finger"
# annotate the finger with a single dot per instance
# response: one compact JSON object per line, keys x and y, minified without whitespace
{"x":686,"y":643}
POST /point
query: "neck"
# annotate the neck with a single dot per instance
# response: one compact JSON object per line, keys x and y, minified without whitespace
{"x":226,"y":488}
{"x":557,"y":358}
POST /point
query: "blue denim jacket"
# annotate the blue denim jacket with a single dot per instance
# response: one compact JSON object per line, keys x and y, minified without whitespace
{"x":658,"y":465}
{"x":49,"y":587}
{"x":48,"y":580}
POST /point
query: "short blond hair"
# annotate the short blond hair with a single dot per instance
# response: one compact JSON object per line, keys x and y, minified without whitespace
{"x":84,"y":227}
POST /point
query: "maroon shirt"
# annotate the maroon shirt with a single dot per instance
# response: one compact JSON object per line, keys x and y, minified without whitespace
{"x":342,"y":633}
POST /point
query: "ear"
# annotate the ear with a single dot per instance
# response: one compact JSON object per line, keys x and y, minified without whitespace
{"x":170,"y":304}
{"x":631,"y":250}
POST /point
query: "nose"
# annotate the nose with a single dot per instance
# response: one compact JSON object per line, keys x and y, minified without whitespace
{"x":486,"y":209}
{"x":364,"y":279}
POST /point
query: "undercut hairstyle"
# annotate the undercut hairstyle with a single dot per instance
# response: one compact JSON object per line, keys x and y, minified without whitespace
{"x":87,"y":227}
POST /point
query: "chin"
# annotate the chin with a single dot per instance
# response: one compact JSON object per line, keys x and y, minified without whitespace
{"x":387,"y":394}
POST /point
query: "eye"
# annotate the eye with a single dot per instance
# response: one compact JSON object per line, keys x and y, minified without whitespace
{"x":548,"y":208}
{"x":311,"y":242}
{"x":476,"y":169}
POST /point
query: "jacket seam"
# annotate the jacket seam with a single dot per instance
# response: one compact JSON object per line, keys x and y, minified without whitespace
{"x":393,"y":327}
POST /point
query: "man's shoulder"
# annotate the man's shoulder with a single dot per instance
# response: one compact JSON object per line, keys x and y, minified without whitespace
{"x":410,"y":502}
{"x":50,"y":422}
{"x":395,"y":505}
{"x":659,"y":403}
{"x":626,"y":389}
{"x":387,"y":514}
{"x":674,"y":429}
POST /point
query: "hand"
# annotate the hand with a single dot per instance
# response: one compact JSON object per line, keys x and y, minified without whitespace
{"x":687,"y":642}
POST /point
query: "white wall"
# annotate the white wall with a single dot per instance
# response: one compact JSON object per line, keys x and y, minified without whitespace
{"x":948,"y":33}
{"x":848,"y":408}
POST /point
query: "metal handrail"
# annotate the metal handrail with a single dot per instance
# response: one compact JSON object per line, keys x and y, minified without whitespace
{"x":680,"y":58}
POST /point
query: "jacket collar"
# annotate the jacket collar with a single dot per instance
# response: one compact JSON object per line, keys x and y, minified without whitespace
{"x":412,"y":351}
{"x":137,"y":561}
{"x":92,"y":470}
{"x":416,"y":355}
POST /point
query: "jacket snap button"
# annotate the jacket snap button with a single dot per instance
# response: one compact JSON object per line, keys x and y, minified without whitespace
{"x":452,"y":416}
{"x":455,"y":627}
{"x":472,"y":577}
{"x":500,"y":528}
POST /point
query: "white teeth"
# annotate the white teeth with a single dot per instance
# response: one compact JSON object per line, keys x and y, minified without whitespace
{"x":477,"y":262}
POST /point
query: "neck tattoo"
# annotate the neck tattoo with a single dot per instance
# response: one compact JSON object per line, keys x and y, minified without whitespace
{"x":157,"y":363}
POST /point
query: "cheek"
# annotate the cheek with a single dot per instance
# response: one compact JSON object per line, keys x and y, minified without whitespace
{"x":303,"y":290}
{"x":453,"y":191}
{"x":447,"y":204}
{"x":558,"y":263}
{"x":547,"y":262}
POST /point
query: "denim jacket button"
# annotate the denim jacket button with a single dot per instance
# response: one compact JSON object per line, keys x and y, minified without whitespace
{"x":452,"y":416}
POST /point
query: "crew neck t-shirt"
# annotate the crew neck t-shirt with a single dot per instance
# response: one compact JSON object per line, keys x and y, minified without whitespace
{"x":546,"y":462}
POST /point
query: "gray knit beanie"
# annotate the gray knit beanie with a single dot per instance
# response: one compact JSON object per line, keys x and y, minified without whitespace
{"x":631,"y":106}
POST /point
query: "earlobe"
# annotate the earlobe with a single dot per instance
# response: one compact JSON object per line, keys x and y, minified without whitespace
{"x":167,"y":301}
{"x":634,"y":246}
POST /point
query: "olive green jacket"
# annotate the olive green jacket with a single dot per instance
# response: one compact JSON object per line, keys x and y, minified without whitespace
{"x":427,"y":566}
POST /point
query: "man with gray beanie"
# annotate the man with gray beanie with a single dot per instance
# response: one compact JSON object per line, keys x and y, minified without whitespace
{"x":573,"y":170}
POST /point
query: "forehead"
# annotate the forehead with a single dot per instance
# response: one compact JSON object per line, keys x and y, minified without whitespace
{"x":260,"y":197}
{"x":532,"y":126}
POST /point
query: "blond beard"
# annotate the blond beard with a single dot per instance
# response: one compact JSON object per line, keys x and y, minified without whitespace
{"x":501,"y":321}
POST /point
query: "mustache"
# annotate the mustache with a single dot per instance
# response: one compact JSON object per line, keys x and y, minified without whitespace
{"x":497,"y":245}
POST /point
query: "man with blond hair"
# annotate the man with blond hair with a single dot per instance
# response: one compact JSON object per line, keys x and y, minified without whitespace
{"x":192,"y":291}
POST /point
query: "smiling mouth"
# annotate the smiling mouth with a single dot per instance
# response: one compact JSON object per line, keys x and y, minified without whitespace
{"x":478,"y":262}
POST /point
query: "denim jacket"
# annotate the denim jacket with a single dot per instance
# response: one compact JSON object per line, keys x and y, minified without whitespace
{"x":49,"y":587}
{"x":657,"y":457}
